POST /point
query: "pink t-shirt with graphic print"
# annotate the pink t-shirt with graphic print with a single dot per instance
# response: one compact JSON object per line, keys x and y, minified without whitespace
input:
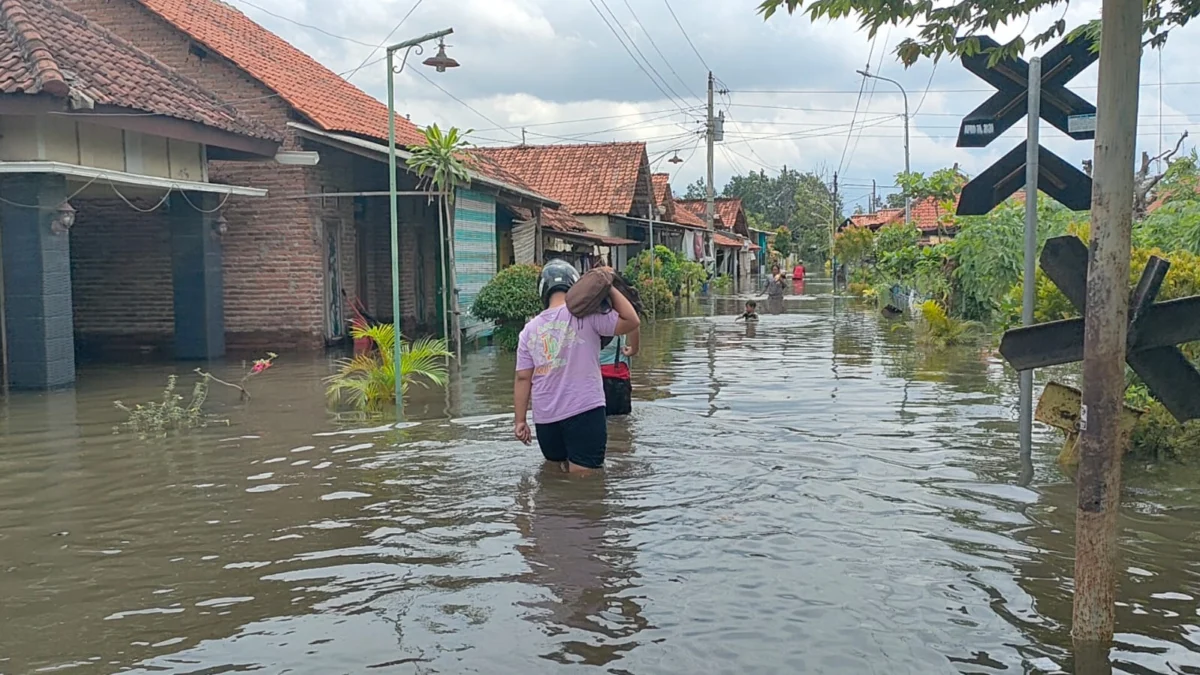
{"x":563,"y":352}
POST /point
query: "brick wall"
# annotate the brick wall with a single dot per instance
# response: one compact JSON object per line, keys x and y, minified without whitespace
{"x":121,"y":275}
{"x":273,"y":250}
{"x":419,"y":280}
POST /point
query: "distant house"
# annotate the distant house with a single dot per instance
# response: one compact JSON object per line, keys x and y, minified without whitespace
{"x":736,"y":250}
{"x":604,"y":190}
{"x":934,"y":222}
{"x":112,"y":222}
{"x":677,"y":227}
{"x":295,"y":264}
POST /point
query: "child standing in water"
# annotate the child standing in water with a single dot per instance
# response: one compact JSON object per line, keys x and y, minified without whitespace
{"x":556,"y":370}
{"x":751,"y":313}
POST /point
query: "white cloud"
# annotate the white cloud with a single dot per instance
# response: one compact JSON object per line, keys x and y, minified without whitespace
{"x":557,"y":70}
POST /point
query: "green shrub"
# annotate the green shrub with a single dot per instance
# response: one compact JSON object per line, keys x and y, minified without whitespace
{"x":509,"y":299}
{"x":896,"y":236}
{"x":656,"y":296}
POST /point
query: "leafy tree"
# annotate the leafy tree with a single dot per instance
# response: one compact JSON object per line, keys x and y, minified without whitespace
{"x":1175,"y":224}
{"x":854,"y":245}
{"x":943,"y":186}
{"x":696,"y":190}
{"x":895,"y":236}
{"x":781,"y":242}
{"x":894,"y":200}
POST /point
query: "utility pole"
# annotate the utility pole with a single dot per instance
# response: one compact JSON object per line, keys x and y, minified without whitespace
{"x":833,"y":234}
{"x":1105,"y":318}
{"x":874,"y":204}
{"x":907,"y":169}
{"x":1028,"y":297}
{"x":710,"y":132}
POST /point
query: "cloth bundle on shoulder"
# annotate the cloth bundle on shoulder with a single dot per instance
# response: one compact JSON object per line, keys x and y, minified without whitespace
{"x":589,"y":295}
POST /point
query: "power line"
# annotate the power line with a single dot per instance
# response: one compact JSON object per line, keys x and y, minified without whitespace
{"x":635,"y":59}
{"x":466,"y":105}
{"x":874,"y":85}
{"x":586,"y":119}
{"x":660,"y":54}
{"x":686,"y":36}
{"x":318,"y":29}
{"x":384,"y":41}
{"x":846,"y":92}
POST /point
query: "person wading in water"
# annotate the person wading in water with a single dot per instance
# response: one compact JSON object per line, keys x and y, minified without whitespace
{"x":556,"y":369}
{"x":773,"y":289}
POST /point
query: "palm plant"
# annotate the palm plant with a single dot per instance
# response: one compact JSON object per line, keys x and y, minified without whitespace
{"x":368,"y":381}
{"x":936,"y":328}
{"x":442,"y":162}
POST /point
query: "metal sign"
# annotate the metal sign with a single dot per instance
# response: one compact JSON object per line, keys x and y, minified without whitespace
{"x":1070,"y":186}
{"x":1155,"y":330}
{"x":1011,"y":78}
{"x":1081,"y":123}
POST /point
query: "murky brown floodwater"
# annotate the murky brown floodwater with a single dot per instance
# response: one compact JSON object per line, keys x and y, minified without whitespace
{"x":812,"y":495}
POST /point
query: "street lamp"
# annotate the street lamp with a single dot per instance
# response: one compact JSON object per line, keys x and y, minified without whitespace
{"x":440,"y":62}
{"x":907,"y":200}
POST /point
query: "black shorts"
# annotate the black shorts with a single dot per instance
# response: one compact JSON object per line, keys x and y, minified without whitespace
{"x":580,"y":440}
{"x":618,"y":396}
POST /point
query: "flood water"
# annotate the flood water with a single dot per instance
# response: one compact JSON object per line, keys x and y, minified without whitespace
{"x":809,"y":495}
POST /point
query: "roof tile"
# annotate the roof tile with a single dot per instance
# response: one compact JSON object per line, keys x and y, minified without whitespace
{"x":321,"y":95}
{"x":46,"y":48}
{"x":591,"y":179}
{"x":727,"y":210}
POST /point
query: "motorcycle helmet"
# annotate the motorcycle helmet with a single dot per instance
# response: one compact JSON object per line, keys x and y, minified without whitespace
{"x":557,"y":275}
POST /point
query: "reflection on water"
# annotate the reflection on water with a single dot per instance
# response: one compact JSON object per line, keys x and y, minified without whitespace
{"x":808,"y":494}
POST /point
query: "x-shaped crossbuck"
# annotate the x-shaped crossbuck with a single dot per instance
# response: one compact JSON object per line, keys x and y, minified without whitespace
{"x":1155,"y":329}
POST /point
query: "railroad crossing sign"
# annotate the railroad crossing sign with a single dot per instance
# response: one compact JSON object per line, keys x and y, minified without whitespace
{"x":1011,"y":78}
{"x":1155,"y":329}
{"x":1070,"y":186}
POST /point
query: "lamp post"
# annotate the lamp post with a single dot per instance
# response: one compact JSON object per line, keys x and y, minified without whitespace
{"x":440,"y":62}
{"x":907,"y":200}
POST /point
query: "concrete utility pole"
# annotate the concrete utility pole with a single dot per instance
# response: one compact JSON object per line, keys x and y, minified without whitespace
{"x":1029,"y":297}
{"x":833,"y":234}
{"x":710,"y":132}
{"x":1106,"y":315}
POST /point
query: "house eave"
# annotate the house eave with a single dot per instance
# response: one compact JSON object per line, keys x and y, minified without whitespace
{"x":379,"y":152}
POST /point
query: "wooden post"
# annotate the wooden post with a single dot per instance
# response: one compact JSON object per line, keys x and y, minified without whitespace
{"x":1106,"y":316}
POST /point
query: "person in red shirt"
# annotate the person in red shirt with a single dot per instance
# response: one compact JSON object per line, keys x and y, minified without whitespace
{"x":798,"y":272}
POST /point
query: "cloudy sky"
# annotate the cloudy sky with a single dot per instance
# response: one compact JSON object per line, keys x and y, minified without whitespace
{"x":602,"y":70}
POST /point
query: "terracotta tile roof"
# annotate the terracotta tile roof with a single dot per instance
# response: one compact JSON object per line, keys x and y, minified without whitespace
{"x":726,"y":241}
{"x":561,"y":220}
{"x":590,"y":179}
{"x":878,"y":219}
{"x":924,"y":215}
{"x":728,"y":211}
{"x":46,"y":48}
{"x":686,"y":218}
{"x":662,"y":187}
{"x":489,"y":168}
{"x":325,"y":98}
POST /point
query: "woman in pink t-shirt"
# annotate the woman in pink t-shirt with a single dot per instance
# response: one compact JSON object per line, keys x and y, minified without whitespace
{"x":557,"y":370}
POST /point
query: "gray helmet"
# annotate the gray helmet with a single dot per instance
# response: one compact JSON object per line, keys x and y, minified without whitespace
{"x":557,"y":275}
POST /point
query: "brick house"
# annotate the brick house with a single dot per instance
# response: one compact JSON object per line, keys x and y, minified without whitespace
{"x":110,"y":220}
{"x":605,"y":191}
{"x":296,"y":261}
